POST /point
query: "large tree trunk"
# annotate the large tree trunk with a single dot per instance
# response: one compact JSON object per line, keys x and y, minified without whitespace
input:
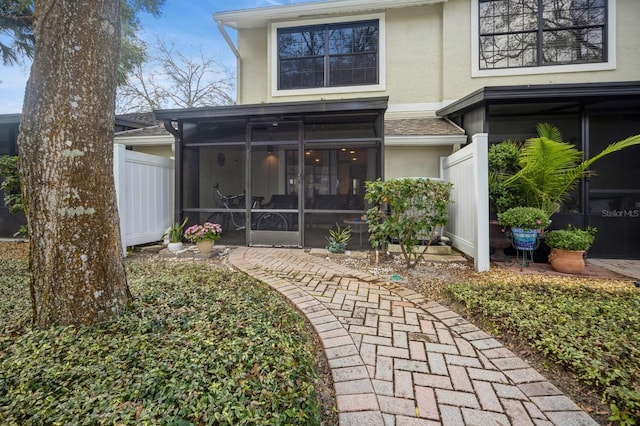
{"x":66,"y":157}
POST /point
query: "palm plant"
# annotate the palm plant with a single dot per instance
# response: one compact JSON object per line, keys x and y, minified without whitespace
{"x":550,"y":168}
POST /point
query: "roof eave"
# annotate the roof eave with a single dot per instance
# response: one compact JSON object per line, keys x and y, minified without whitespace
{"x":360,"y":104}
{"x":550,"y":92}
{"x":260,"y":17}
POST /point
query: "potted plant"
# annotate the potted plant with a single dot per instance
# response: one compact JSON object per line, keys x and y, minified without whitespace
{"x":526,"y":224}
{"x":204,"y":236}
{"x":338,"y":239}
{"x":175,"y":233}
{"x":568,"y":247}
{"x":549,"y":169}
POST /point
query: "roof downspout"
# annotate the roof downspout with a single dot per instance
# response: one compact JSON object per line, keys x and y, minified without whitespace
{"x":233,"y":48}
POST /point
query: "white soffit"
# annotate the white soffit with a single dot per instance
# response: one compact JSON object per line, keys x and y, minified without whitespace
{"x":259,"y":17}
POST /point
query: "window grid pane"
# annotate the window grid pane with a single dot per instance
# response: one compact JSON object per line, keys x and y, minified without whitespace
{"x":566,"y":32}
{"x":348,"y":51}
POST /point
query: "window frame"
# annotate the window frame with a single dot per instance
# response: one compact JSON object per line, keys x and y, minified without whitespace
{"x":608,"y":64}
{"x":273,"y":56}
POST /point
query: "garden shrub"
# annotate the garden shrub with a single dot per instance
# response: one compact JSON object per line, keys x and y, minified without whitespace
{"x":408,"y":211}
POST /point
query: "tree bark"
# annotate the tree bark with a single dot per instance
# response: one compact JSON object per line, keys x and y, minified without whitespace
{"x":66,"y":162}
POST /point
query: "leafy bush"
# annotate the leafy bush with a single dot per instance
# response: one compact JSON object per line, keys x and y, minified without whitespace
{"x":571,"y":238}
{"x":407,"y":210}
{"x":594,"y":332}
{"x":524,"y":217}
{"x":503,"y":162}
{"x":200,"y":346}
{"x":11,"y":187}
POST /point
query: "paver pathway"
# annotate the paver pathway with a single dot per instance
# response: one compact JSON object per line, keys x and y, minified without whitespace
{"x":400,"y":359}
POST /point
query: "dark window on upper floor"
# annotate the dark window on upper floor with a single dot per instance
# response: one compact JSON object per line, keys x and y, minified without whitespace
{"x":329,"y":55}
{"x":530,"y":33}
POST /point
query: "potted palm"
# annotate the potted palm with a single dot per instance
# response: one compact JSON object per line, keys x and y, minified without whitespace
{"x":549,"y":169}
{"x":526,"y":224}
{"x":568,"y":247}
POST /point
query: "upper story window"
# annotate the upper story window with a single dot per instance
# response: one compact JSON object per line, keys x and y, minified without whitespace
{"x":328,"y":55}
{"x":533,"y":33}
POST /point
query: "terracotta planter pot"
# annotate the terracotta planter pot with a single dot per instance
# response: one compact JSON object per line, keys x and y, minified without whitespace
{"x":205,"y":246}
{"x":567,"y":261}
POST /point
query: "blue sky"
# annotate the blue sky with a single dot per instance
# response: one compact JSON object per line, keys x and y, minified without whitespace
{"x":187,"y":23}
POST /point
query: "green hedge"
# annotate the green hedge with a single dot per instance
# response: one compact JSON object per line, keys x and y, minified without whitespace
{"x":200,"y":346}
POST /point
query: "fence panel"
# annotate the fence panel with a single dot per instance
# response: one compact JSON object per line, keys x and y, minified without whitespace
{"x":468,"y":226}
{"x":144,"y":189}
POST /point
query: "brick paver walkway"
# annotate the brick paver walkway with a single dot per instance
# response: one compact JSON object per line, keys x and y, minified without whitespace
{"x":400,"y":359}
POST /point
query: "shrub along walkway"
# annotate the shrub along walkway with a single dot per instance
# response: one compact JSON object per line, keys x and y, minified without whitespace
{"x":400,"y":359}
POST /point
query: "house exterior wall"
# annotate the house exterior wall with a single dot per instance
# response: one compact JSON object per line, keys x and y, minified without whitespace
{"x":457,"y":60}
{"x":406,"y":161}
{"x":252,"y":45}
{"x":159,"y":150}
{"x":412,"y":66}
{"x":428,"y":58}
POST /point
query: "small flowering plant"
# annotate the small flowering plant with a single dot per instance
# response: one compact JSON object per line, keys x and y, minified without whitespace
{"x":524,"y":217}
{"x":206,"y":231}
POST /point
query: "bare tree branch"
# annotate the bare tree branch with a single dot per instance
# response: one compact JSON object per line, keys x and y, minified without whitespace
{"x":171,"y":79}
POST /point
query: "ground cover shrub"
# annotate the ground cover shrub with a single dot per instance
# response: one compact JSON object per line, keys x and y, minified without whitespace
{"x":201,"y":346}
{"x":592,"y":331}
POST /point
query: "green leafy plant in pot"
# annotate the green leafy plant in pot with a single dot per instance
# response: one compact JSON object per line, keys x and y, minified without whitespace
{"x":549,"y":169}
{"x":338,"y":239}
{"x":568,"y":247}
{"x":526,"y":224}
{"x":175,"y":234}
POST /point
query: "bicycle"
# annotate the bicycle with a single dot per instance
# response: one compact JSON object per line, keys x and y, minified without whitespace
{"x":262,"y":221}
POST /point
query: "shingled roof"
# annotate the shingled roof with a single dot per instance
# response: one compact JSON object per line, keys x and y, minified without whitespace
{"x":156,"y":130}
{"x":420,"y":127}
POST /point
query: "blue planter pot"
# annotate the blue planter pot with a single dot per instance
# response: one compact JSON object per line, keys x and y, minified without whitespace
{"x":524,"y":239}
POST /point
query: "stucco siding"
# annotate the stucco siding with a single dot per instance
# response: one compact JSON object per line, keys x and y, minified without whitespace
{"x":457,"y":45}
{"x":412,"y":67}
{"x":414,"y":56}
{"x":252,"y":45}
{"x":402,"y":161}
{"x":428,"y":58}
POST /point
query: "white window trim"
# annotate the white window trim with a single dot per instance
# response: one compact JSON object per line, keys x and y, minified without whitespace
{"x":551,"y":69}
{"x":272,"y":55}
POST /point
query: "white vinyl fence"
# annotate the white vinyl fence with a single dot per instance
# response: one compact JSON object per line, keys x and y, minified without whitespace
{"x":145,"y":192}
{"x":468,"y":226}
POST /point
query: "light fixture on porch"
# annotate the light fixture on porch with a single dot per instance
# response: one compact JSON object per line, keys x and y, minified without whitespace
{"x":269,"y":149}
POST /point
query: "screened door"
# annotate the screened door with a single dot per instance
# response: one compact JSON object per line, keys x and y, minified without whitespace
{"x":275,"y":182}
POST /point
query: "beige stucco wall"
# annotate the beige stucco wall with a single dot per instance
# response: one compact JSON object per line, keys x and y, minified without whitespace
{"x":159,"y":150}
{"x":413,"y":61}
{"x":406,"y":161}
{"x":428,"y":58}
{"x":458,"y":82}
{"x":252,"y":45}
